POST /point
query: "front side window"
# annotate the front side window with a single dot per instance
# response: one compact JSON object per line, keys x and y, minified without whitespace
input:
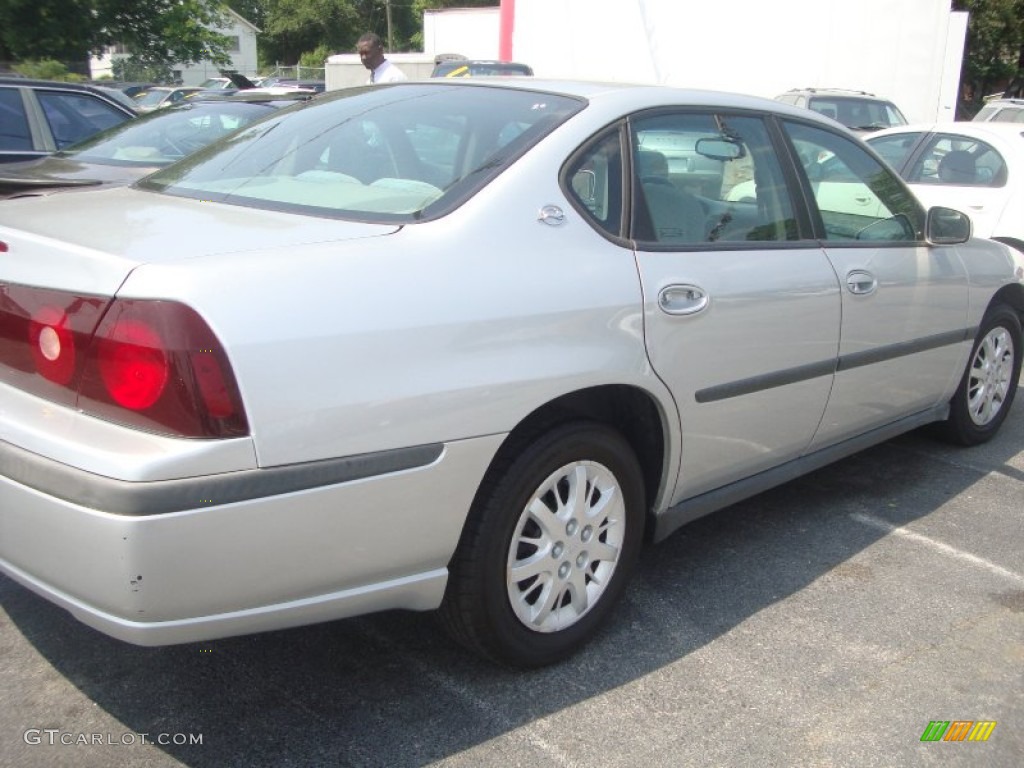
{"x":74,"y":116}
{"x":707,"y":178}
{"x":961,"y":161}
{"x":859,"y":199}
{"x":389,"y":153}
{"x":895,"y":149}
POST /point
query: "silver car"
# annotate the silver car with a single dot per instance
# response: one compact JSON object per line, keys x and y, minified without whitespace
{"x":464,"y":345}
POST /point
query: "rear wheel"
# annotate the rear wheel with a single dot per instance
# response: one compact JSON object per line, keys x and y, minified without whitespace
{"x":549,"y":545}
{"x":986,"y":392}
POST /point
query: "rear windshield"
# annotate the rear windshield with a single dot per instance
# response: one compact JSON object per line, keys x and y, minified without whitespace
{"x":385,"y":153}
{"x":167,"y":135}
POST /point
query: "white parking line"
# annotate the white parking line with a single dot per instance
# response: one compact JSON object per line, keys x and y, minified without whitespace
{"x":938,"y":546}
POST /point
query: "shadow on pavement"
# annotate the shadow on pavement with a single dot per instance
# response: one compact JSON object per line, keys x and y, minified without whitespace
{"x":392,"y":690}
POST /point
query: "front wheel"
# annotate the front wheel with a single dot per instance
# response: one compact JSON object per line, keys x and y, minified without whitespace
{"x":548,"y":547}
{"x":986,"y":392}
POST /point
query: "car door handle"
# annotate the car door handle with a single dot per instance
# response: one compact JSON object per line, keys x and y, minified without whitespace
{"x":682,"y":299}
{"x":861,"y":282}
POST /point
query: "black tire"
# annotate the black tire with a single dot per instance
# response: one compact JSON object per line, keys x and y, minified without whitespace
{"x":584,"y":559}
{"x":986,"y":391}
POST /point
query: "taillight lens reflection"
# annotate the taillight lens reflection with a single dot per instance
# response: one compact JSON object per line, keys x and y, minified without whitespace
{"x":52,"y":344}
{"x":133,"y":365}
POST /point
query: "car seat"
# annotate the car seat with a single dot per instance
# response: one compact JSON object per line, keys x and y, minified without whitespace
{"x":958,"y":167}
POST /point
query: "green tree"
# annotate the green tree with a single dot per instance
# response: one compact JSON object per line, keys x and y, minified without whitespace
{"x":994,"y":55}
{"x":46,"y":69}
{"x":292,"y":28}
{"x":155,"y":31}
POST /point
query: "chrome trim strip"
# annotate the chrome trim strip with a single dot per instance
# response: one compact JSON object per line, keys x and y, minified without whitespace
{"x":122,"y":497}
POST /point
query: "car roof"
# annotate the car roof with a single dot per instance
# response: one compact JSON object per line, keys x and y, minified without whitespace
{"x":1007,"y":137}
{"x":619,"y":97}
{"x":24,"y":82}
{"x":173,"y":88}
{"x":981,"y":130}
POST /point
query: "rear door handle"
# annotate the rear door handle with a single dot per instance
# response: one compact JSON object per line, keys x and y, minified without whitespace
{"x":682,"y":299}
{"x":861,"y":282}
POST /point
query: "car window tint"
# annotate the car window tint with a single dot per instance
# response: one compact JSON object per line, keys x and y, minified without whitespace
{"x":895,"y":149}
{"x":859,"y":199}
{"x":1009,"y":115}
{"x":707,"y":178}
{"x":376,"y":154}
{"x":595,"y":182}
{"x":858,"y":112}
{"x":74,"y":116}
{"x":14,"y":133}
{"x":959,"y":161}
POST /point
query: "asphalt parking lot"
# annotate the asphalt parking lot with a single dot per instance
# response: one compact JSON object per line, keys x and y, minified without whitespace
{"x":825,"y":623}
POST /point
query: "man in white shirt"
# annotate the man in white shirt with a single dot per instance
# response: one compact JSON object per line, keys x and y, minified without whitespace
{"x":371,"y":53}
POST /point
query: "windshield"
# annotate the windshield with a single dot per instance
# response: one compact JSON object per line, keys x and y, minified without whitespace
{"x":858,"y":112}
{"x":150,"y":98}
{"x":162,"y":137}
{"x":385,"y":153}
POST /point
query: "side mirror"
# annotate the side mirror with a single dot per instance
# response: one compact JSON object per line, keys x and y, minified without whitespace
{"x":944,"y":226}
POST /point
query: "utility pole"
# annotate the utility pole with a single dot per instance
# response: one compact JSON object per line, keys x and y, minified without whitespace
{"x":387,"y":11}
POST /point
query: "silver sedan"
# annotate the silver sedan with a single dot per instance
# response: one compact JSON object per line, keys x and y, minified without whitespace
{"x":465,"y":345}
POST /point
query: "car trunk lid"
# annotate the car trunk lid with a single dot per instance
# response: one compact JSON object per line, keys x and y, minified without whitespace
{"x":89,"y":241}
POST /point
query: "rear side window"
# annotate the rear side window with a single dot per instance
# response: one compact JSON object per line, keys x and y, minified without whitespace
{"x":707,"y":178}
{"x":961,"y":161}
{"x":14,"y":133}
{"x":858,"y":198}
{"x":595,"y":182}
{"x":75,"y":116}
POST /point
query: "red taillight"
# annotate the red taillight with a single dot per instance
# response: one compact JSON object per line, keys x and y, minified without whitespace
{"x":133,"y":365}
{"x":149,"y":364}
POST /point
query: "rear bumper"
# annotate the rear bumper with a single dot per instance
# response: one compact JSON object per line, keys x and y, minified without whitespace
{"x":266,"y":556}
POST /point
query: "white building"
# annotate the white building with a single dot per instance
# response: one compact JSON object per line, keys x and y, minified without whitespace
{"x":241,"y":48}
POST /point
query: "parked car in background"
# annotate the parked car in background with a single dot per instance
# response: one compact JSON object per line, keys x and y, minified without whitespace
{"x":161,"y":96}
{"x":463,"y":345}
{"x":230,"y":83}
{"x":859,"y":111}
{"x":458,"y":66}
{"x":975,"y":167}
{"x":317,"y":86}
{"x":133,"y":149}
{"x":38,"y":117}
{"x":118,"y":95}
{"x":217,"y":83}
{"x":1001,"y":111}
{"x":128,"y":89}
